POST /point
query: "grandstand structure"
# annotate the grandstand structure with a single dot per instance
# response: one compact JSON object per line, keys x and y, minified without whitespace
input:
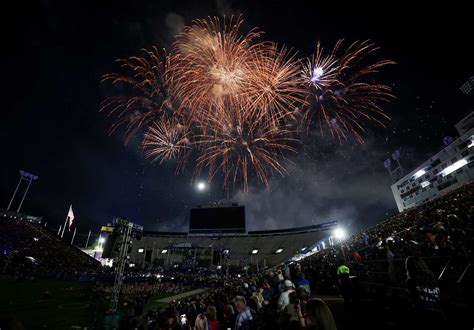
{"x":256,"y":249}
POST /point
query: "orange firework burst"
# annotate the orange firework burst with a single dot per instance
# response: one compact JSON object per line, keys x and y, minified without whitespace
{"x":344,"y":94}
{"x":276,"y":84}
{"x":146,"y":95}
{"x":234,"y":142}
{"x":167,"y":139}
{"x":212,"y":62}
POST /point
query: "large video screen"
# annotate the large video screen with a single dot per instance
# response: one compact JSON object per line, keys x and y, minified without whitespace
{"x":229,"y":219}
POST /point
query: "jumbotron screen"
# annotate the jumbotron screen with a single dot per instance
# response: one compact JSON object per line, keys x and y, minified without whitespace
{"x":228,"y":219}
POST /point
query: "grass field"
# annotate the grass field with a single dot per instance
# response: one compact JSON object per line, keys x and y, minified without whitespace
{"x":23,"y":307}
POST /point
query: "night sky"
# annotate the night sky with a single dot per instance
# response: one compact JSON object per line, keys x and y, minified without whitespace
{"x":54,"y":53}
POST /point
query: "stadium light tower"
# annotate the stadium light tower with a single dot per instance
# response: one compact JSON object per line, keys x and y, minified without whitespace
{"x":27,"y":177}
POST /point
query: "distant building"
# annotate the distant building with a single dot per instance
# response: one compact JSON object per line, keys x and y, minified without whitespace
{"x":450,"y":168}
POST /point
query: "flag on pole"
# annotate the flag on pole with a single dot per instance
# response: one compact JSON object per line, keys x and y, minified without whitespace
{"x":70,"y":216}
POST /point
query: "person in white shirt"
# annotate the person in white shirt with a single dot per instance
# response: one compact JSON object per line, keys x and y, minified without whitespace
{"x":284,"y":298}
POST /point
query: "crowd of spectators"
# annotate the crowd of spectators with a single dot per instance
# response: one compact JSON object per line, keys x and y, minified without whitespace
{"x":433,"y":242}
{"x":30,"y":250}
{"x":259,"y":301}
{"x":437,"y":231}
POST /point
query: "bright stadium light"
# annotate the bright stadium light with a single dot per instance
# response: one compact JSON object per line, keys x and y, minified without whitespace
{"x":254,"y":251}
{"x":101,"y":240}
{"x":279,"y":251}
{"x":418,"y":173}
{"x":451,"y":168}
{"x":339,"y":233}
{"x":470,"y":145}
{"x":201,"y":186}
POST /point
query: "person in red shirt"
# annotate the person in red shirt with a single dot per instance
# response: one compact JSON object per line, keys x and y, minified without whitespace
{"x":212,"y":318}
{"x":357,"y":256}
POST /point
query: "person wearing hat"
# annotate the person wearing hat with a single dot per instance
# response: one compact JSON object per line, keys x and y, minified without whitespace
{"x":284,"y":298}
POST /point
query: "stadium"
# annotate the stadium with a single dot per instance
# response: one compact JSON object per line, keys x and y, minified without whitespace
{"x":228,"y":171}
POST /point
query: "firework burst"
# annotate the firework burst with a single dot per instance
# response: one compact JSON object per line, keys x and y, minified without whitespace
{"x":343,"y":93}
{"x":167,"y":139}
{"x":145,"y":95}
{"x":212,"y":62}
{"x":276,"y":84}
{"x":232,"y":100}
{"x":320,"y":71}
{"x":236,"y":143}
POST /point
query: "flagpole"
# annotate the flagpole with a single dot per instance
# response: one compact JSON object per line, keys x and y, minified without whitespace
{"x":88,"y":236}
{"x":64,"y":227}
{"x":65,"y":221}
{"x":59,"y":231}
{"x":73,"y":235}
